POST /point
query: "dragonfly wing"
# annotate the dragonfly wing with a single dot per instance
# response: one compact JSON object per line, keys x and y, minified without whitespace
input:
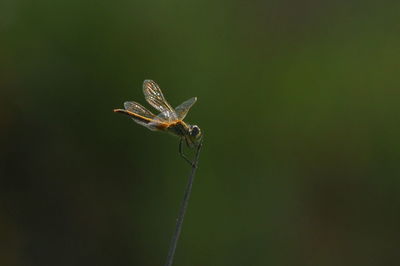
{"x":155,"y":97}
{"x":137,"y":108}
{"x":150,"y":125}
{"x":160,"y":119}
{"x":139,"y":114}
{"x":183,"y":108}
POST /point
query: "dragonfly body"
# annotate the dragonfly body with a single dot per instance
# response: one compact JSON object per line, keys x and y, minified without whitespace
{"x":185,"y":131}
{"x":169,"y":120}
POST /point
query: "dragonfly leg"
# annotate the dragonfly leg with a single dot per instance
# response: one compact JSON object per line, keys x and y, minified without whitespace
{"x":182,"y":154}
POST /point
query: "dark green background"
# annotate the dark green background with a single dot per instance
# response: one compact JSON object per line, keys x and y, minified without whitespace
{"x":299,"y":102}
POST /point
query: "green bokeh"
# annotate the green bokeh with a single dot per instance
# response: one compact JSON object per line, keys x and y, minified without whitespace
{"x":299,"y":102}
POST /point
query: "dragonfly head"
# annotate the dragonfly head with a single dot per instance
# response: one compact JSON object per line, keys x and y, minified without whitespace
{"x":195,"y":134}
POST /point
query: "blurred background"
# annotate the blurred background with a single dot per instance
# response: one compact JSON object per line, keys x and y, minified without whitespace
{"x":299,"y":102}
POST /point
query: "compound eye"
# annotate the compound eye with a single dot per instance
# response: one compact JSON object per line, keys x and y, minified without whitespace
{"x":195,"y":131}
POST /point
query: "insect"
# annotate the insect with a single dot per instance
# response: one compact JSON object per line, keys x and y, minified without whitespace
{"x":169,"y":119}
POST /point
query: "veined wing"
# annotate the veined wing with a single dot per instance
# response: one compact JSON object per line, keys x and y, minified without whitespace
{"x":138,"y":109}
{"x":155,"y":97}
{"x":161,"y":120}
{"x":183,"y":108}
{"x":139,"y":114}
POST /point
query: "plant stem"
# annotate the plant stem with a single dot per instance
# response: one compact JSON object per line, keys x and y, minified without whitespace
{"x":182,"y":210}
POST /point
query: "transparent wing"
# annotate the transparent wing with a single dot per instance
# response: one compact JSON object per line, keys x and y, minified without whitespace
{"x":139,"y":114}
{"x":183,"y":108}
{"x":137,"y":108}
{"x":150,"y":125}
{"x":160,"y":120}
{"x":154,"y":96}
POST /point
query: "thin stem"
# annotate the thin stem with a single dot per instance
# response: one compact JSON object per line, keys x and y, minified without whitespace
{"x":183,"y":208}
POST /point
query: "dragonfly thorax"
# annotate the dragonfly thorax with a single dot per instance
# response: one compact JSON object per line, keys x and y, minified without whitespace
{"x":191,"y":133}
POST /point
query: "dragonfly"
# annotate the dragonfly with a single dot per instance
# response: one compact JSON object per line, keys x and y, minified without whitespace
{"x":168,"y":120}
